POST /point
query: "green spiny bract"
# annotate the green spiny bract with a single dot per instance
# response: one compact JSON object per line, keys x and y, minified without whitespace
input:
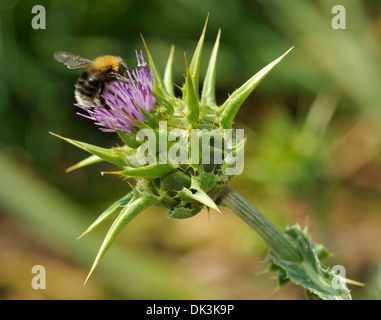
{"x":183,"y":188}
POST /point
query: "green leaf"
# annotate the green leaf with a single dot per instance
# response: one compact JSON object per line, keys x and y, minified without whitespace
{"x":194,"y":66}
{"x":166,"y":103}
{"x":129,"y":139}
{"x":136,"y":205}
{"x":157,"y":78}
{"x":88,"y":161}
{"x":138,"y":125}
{"x":152,"y":171}
{"x":151,"y":119}
{"x":183,"y":213}
{"x":185,"y":195}
{"x":113,"y":155}
{"x":109,"y":212}
{"x":168,"y":80}
{"x":203,"y":184}
{"x":191,"y":99}
{"x":202,"y":197}
{"x":208,"y":96}
{"x":205,"y":181}
{"x":175,"y":182}
{"x":231,"y":106}
{"x":308,"y":272}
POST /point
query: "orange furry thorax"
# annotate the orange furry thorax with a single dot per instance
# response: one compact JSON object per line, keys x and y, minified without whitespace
{"x":105,"y":63}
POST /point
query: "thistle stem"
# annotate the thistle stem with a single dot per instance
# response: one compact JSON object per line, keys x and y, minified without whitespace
{"x":278,"y":241}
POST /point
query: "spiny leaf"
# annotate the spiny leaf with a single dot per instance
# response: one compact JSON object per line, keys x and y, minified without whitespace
{"x":168,"y":80}
{"x":157,"y":78}
{"x":183,"y":213}
{"x":138,"y":125}
{"x":169,"y":109}
{"x":308,"y":272}
{"x":230,"y":107}
{"x":194,"y":66}
{"x":136,"y":205}
{"x":191,"y":99}
{"x":208,"y":89}
{"x":129,"y":139}
{"x":153,"y":171}
{"x":88,"y":161}
{"x":205,"y":181}
{"x":151,"y":119}
{"x":233,"y":163}
{"x":203,"y":197}
{"x":201,"y":184}
{"x":112,"y":155}
{"x":200,"y":196}
{"x":109,"y":212}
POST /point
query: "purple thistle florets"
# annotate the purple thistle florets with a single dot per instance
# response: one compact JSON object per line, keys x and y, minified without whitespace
{"x":123,"y":100}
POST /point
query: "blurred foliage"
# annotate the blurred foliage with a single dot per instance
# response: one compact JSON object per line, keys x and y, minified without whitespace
{"x":313,"y":151}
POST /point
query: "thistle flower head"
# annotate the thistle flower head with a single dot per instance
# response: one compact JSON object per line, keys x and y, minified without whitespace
{"x":123,"y":100}
{"x":147,"y":101}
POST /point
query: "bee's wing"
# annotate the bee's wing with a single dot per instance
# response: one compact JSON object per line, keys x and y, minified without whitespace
{"x":72,"y":61}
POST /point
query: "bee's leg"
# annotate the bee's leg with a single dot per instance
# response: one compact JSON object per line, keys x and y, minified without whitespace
{"x":103,"y":102}
{"x":101,"y":99}
{"x":121,"y":78}
{"x":117,"y":76}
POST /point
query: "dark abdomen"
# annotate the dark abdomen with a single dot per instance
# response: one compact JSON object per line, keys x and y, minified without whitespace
{"x":88,"y":84}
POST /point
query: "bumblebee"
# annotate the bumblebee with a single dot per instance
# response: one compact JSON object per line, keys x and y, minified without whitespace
{"x":91,"y":83}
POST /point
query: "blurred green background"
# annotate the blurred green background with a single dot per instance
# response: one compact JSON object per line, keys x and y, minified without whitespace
{"x":312,"y":157}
